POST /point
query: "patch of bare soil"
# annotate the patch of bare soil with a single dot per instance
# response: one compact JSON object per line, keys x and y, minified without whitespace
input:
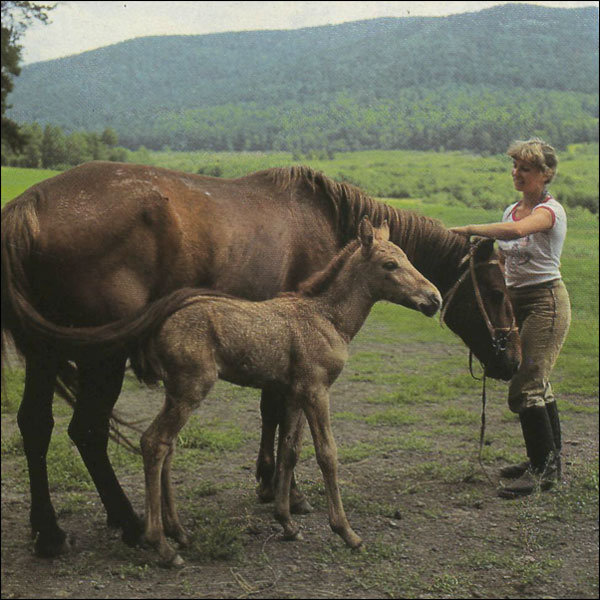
{"x":432,"y":524}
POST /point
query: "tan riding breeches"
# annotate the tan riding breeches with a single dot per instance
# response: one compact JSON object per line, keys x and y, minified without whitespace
{"x":543,"y":314}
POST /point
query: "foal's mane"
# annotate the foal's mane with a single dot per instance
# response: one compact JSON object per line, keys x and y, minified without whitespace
{"x":321,"y":280}
{"x":426,"y":241}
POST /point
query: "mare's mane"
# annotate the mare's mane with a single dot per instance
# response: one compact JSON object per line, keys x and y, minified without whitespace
{"x":409,"y":230}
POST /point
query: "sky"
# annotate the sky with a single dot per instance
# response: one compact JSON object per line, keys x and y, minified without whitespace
{"x":76,"y":27}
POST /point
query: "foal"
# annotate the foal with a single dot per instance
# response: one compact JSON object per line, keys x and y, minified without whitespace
{"x":296,"y":343}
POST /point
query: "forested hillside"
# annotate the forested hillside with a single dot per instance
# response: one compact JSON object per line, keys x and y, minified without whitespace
{"x":472,"y":81}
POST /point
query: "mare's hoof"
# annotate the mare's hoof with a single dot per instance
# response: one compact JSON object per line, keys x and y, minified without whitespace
{"x":133,"y":528}
{"x":301,"y":506}
{"x":264,"y":493}
{"x":49,"y":546}
{"x":133,"y":535}
{"x":294,"y":536}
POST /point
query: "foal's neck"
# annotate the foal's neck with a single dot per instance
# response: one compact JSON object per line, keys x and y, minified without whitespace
{"x":346,"y":303}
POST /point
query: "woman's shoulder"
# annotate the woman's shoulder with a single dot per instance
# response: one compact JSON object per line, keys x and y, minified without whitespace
{"x":553,"y":206}
{"x":551,"y":203}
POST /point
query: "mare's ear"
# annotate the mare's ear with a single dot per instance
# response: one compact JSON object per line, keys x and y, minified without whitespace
{"x":366,"y":235}
{"x":484,"y":248}
{"x":382,"y":233}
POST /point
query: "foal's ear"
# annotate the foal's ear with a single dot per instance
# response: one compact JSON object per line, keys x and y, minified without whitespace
{"x":484,"y":248}
{"x":382,"y":233}
{"x":366,"y":235}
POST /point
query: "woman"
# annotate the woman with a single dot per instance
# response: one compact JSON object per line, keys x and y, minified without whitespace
{"x":531,"y":237}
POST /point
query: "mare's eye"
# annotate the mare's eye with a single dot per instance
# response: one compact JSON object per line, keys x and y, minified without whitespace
{"x":390,"y":266}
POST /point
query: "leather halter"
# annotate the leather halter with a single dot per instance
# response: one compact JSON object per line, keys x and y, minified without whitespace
{"x":499,"y":335}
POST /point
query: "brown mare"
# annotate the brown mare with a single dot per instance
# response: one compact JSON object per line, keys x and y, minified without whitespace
{"x":100,"y":241}
{"x":296,"y":343}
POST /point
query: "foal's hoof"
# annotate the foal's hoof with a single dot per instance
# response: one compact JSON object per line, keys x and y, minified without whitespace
{"x":172,"y":563}
{"x":300,"y":506}
{"x":49,"y":546}
{"x":177,"y":562}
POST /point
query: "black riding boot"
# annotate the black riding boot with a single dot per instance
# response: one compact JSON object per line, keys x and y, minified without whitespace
{"x":515,"y":471}
{"x":552,"y":410}
{"x":541,"y":450}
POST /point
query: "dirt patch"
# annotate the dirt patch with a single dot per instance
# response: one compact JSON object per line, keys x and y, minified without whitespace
{"x":432,"y":524}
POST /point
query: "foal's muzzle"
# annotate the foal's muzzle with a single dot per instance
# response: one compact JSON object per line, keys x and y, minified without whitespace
{"x":431,"y":305}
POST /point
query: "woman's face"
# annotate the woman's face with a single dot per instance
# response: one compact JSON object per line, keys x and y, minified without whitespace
{"x":527,"y":178}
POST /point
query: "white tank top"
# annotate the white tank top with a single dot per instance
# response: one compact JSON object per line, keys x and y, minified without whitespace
{"x":535,"y":258}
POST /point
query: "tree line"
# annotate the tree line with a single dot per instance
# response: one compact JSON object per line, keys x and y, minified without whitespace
{"x":475,"y":118}
{"x":51,"y":148}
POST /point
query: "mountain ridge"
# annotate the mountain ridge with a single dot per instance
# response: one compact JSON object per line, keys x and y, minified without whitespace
{"x":195,"y":78}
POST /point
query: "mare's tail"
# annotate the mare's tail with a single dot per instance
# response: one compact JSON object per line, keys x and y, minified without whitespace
{"x":27,"y":327}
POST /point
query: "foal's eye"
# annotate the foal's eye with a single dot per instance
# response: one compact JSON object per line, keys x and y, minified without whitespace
{"x":390,"y":266}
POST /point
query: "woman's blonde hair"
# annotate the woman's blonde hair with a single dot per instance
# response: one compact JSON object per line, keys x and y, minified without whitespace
{"x":537,"y":153}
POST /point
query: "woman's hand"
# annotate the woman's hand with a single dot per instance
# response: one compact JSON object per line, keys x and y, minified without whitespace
{"x":464,"y":230}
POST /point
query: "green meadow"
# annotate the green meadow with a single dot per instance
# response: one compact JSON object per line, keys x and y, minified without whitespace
{"x":406,"y":417}
{"x":432,"y":183}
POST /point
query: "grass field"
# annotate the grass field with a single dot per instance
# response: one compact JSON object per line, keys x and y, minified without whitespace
{"x":406,"y":416}
{"x":578,"y":365}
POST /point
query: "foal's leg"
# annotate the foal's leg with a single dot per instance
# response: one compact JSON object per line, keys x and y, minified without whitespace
{"x":290,"y":440}
{"x":273,"y":414}
{"x":183,"y":395}
{"x":316,"y":408}
{"x":36,"y":423}
{"x":100,"y":383}
{"x":171,"y":524}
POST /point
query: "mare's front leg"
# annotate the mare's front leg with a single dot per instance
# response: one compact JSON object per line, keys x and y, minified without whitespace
{"x":272,"y":410}
{"x":290,"y":440}
{"x":100,"y":382}
{"x":265,"y":462}
{"x":316,"y":408}
{"x":36,"y":423}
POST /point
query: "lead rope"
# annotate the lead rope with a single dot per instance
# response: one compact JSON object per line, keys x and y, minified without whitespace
{"x":447,"y":299}
{"x":482,"y":426}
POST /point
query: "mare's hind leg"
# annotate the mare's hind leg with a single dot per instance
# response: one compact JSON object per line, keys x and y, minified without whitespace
{"x":36,"y":423}
{"x":265,"y":463}
{"x":100,"y":383}
{"x":272,"y":410}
